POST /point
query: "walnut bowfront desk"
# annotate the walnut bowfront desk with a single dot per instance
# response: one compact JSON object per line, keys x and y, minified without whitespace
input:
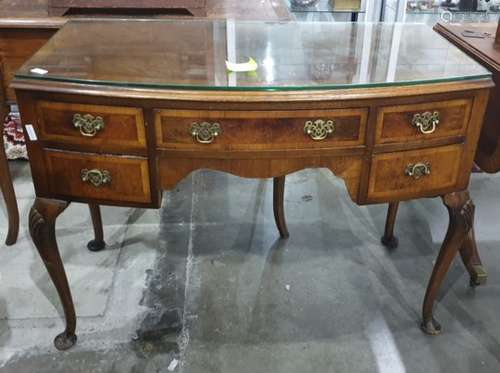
{"x":115,"y":112}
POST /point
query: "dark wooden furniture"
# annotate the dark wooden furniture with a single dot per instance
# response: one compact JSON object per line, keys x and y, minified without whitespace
{"x":120,"y":133}
{"x":486,"y":51}
{"x":61,"y":7}
{"x":19,"y":39}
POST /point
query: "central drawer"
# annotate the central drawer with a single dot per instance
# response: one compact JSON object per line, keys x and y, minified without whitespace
{"x":260,"y":130}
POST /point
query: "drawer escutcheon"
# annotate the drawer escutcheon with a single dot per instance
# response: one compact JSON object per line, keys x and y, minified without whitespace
{"x":205,"y":132}
{"x":95,"y":177}
{"x":319,"y":129}
{"x":88,"y":124}
{"x":418,"y":170}
{"x":426,"y":122}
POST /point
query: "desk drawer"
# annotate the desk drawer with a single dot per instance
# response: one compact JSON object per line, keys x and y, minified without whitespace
{"x":415,"y":173}
{"x":99,"y":177}
{"x":260,"y":130}
{"x":406,"y":123}
{"x":93,"y":126}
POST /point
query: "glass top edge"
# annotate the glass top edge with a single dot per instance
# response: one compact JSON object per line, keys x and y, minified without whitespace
{"x":186,"y":87}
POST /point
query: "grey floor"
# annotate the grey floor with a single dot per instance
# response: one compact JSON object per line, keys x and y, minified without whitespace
{"x":206,"y":281}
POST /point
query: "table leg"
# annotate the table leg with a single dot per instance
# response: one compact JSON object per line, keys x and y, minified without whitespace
{"x":42,"y":221}
{"x":388,"y":239}
{"x":461,"y":212}
{"x":9,"y":195}
{"x":472,"y":261}
{"x":278,"y":205}
{"x":97,"y":244}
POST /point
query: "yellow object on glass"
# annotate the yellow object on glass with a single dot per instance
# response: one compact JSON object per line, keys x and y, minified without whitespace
{"x":251,"y":65}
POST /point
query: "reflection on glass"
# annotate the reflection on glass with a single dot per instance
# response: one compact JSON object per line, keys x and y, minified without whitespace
{"x":297,"y":55}
{"x":324,"y":6}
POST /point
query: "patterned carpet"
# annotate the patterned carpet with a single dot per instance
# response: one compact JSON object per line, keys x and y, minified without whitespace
{"x":13,"y":137}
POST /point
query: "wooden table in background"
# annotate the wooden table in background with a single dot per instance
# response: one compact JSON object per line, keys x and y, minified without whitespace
{"x":486,"y":52}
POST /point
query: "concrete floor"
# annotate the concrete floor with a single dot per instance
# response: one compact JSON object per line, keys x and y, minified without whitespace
{"x":206,"y":281}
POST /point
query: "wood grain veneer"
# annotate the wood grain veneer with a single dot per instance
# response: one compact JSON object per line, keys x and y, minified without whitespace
{"x":254,"y":130}
{"x":394,"y":122}
{"x":130,"y":176}
{"x":123,"y":126}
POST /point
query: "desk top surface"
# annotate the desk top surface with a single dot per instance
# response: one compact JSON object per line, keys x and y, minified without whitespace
{"x":192,"y":54}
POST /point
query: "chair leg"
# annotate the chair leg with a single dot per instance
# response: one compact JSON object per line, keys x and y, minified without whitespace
{"x":388,"y":239}
{"x":9,"y":196}
{"x":278,"y":205}
{"x":97,"y":244}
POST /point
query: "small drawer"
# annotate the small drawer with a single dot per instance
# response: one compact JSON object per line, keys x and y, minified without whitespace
{"x":406,"y":123}
{"x":93,"y":126}
{"x":99,"y":177}
{"x":260,"y":130}
{"x":412,"y":174}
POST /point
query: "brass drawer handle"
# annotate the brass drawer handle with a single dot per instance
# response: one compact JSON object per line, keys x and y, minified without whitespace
{"x":426,"y":122}
{"x":88,"y":124}
{"x":95,"y":177}
{"x":418,"y":170}
{"x":205,"y":132}
{"x":319,"y":129}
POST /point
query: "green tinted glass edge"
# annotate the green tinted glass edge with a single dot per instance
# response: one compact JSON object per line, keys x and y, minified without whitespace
{"x":187,"y":87}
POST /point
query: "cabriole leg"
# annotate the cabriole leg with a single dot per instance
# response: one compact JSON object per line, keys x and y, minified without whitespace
{"x":42,"y":220}
{"x":388,"y":239}
{"x":471,"y":259}
{"x":461,"y":212}
{"x":97,"y":244}
{"x":278,"y":205}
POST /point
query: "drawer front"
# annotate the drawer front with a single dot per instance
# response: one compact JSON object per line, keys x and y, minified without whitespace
{"x":97,"y":177}
{"x":94,"y":126}
{"x":406,"y":123}
{"x":416,"y":173}
{"x":259,"y":130}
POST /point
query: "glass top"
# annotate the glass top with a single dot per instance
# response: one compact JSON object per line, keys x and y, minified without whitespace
{"x":192,"y":54}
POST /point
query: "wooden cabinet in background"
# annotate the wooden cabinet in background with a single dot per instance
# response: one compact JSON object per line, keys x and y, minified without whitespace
{"x":61,"y":7}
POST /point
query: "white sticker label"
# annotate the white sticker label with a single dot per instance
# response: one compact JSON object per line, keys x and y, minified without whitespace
{"x":31,"y":132}
{"x":39,"y":71}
